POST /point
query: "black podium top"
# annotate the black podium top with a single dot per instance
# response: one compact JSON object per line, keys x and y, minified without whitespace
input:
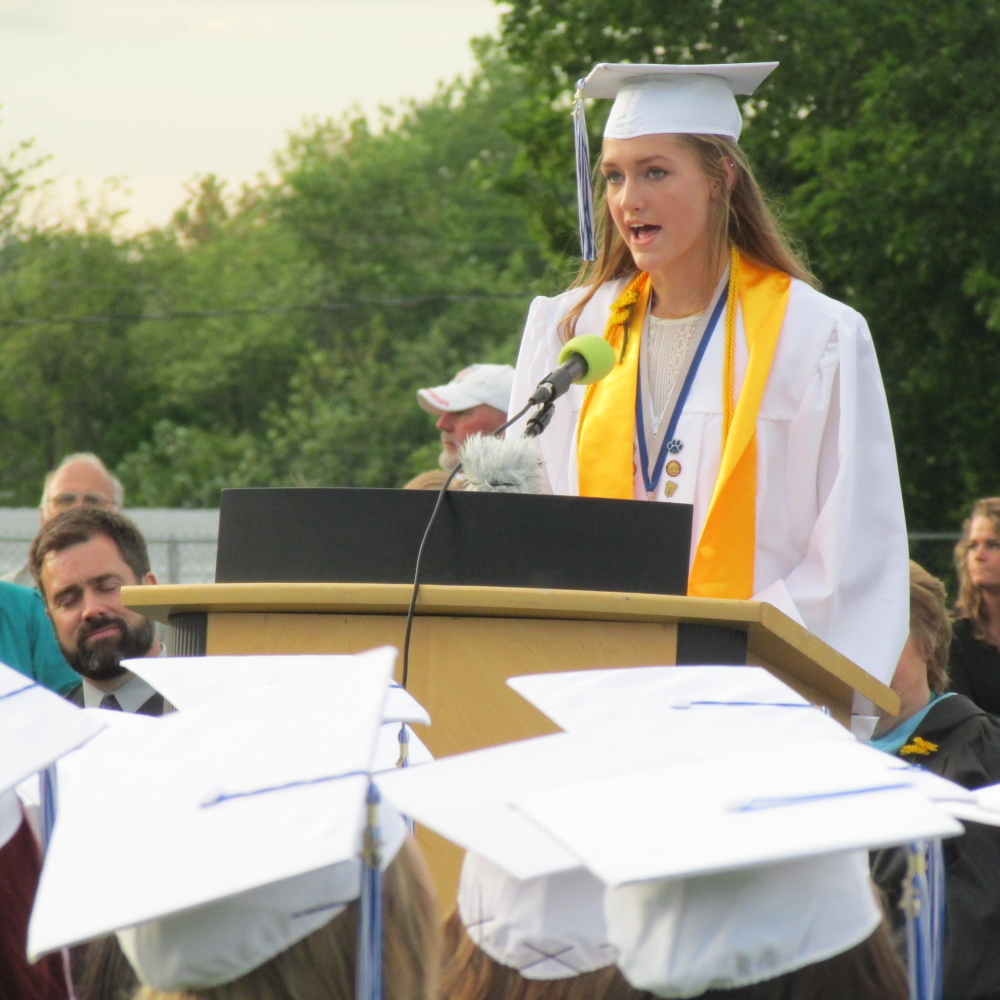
{"x":480,"y":539}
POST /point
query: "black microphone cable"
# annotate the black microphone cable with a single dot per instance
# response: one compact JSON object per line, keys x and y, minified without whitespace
{"x":423,"y":545}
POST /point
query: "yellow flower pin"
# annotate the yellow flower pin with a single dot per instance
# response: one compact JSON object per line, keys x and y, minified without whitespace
{"x":919,"y":746}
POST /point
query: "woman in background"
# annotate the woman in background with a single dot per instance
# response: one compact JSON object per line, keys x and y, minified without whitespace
{"x":974,"y":662}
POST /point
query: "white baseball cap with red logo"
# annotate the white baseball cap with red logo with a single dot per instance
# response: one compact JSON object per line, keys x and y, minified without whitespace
{"x":472,"y":386}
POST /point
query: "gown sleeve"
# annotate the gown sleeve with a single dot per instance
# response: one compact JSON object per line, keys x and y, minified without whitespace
{"x":852,"y":586}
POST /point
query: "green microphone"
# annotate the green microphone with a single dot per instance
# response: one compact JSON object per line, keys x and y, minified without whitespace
{"x":583,"y":360}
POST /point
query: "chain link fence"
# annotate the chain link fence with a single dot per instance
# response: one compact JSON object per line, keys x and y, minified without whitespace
{"x":173,"y":558}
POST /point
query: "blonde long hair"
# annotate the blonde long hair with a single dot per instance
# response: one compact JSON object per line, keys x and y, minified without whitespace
{"x":741,"y":217}
{"x":468,"y":973}
{"x":868,"y":971}
{"x":322,"y":965}
{"x":970,"y":599}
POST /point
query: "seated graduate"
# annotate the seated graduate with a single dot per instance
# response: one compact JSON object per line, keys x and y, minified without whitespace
{"x":738,"y":388}
{"x":36,"y":728}
{"x":269,"y":871}
{"x":534,"y":939}
{"x":797,"y":930}
{"x":946,"y":733}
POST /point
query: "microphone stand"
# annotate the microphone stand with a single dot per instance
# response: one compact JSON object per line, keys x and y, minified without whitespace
{"x":536,"y":424}
{"x":540,"y":419}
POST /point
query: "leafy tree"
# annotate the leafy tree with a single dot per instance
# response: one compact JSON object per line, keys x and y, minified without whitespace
{"x":69,"y":378}
{"x":304,"y":312}
{"x":878,"y":136}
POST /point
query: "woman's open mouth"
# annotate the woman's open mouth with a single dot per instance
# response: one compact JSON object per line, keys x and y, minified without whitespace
{"x":643,"y":234}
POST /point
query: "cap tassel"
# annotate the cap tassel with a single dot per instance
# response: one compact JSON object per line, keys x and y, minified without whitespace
{"x":48,"y":809}
{"x":404,"y":761}
{"x":404,"y":746}
{"x":584,"y":190}
{"x":923,"y":903}
{"x":369,"y":973}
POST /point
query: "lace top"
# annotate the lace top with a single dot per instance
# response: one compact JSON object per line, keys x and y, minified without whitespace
{"x":667,"y":344}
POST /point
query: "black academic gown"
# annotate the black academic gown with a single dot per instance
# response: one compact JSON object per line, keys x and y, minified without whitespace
{"x":968,"y":753}
{"x":974,"y":667}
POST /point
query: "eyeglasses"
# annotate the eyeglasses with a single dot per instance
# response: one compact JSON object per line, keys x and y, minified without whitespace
{"x":63,"y":501}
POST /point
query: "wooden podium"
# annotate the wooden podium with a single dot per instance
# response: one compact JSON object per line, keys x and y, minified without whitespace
{"x":468,"y":640}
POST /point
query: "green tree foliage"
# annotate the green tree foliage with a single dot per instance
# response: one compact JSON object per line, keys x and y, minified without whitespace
{"x":277,"y":335}
{"x":877,"y":135}
{"x":69,"y":376}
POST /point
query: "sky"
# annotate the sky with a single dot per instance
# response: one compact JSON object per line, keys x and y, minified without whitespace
{"x":154,"y":92}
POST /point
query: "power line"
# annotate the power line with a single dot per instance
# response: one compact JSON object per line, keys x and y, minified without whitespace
{"x":335,"y":306}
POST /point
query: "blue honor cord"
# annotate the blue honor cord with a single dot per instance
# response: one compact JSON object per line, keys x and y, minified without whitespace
{"x":651,"y":478}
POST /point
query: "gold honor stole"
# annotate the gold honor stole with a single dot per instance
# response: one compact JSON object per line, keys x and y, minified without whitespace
{"x":723,"y":564}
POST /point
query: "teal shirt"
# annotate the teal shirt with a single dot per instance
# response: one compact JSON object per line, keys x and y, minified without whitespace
{"x":28,"y":642}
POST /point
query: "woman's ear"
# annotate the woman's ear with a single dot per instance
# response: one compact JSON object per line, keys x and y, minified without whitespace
{"x":729,"y":170}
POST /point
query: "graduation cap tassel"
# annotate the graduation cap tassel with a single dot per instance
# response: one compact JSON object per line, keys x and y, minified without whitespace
{"x":369,"y":973}
{"x":404,"y":746}
{"x":584,"y":190}
{"x":935,"y":885}
{"x":48,"y":810}
{"x":923,"y":901}
{"x":404,"y":761}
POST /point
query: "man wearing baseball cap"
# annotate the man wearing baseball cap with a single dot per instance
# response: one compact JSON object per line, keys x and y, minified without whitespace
{"x":475,"y":401}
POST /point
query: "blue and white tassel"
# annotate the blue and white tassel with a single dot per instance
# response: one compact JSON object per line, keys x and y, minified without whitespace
{"x":404,"y":761}
{"x":584,"y":188}
{"x":923,"y":903}
{"x":48,"y":789}
{"x":369,"y":973}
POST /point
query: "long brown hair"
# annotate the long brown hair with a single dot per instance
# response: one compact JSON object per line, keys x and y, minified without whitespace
{"x":869,"y":971}
{"x":468,"y":973}
{"x":930,"y":625}
{"x":741,"y":217}
{"x":970,"y":599}
{"x":322,"y":966}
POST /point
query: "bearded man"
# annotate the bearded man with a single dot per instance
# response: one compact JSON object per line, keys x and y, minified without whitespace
{"x":81,"y":559}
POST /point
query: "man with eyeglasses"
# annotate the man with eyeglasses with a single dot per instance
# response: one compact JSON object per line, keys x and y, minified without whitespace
{"x":80,"y":480}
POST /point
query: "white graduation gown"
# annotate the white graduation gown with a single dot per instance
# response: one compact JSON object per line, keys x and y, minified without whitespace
{"x":831,"y":537}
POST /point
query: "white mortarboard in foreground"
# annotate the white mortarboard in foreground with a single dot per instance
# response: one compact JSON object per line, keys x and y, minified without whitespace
{"x":235,"y":827}
{"x":747,"y":814}
{"x":37,"y":727}
{"x":468,"y":797}
{"x":551,"y":927}
{"x":678,"y":700}
{"x":191,"y":681}
{"x":658,"y":99}
{"x":682,"y":937}
{"x":761,"y":805}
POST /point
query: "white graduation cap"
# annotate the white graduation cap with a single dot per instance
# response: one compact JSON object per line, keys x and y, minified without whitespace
{"x":657,"y":99}
{"x":984,"y":806}
{"x":191,"y":681}
{"x":682,"y":829}
{"x":468,"y":798}
{"x":236,"y":827}
{"x":683,"y":937}
{"x":37,"y":727}
{"x":551,"y":927}
{"x":730,"y":810}
{"x":680,"y":700}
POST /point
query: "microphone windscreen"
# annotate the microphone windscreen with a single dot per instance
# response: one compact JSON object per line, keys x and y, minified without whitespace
{"x":502,"y":465}
{"x":596,"y":351}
